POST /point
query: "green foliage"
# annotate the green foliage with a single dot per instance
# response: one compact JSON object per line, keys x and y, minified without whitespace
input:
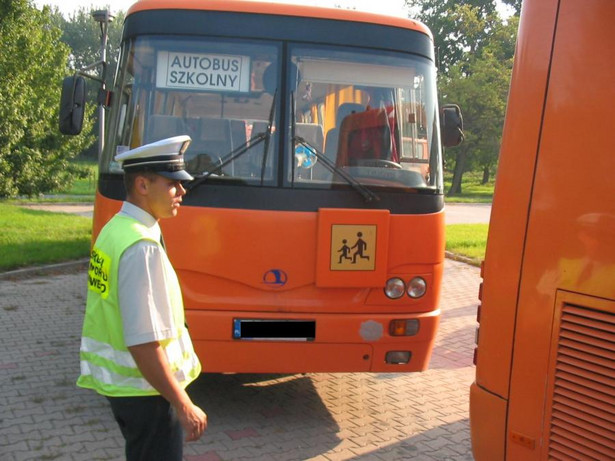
{"x":475,"y":49}
{"x":34,"y":157}
{"x":82,"y":34}
{"x":31,"y":237}
{"x":457,"y":35}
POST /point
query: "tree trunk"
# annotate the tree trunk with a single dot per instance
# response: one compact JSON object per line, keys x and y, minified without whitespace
{"x":486,"y":175}
{"x":460,"y":162}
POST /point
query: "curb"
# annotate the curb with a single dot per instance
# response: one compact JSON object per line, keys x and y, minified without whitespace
{"x":463,"y":259}
{"x":51,"y":269}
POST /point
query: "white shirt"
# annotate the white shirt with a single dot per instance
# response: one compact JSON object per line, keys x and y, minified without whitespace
{"x":142,"y":287}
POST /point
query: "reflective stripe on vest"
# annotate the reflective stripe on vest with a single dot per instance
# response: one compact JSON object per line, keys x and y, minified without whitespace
{"x":112,"y":368}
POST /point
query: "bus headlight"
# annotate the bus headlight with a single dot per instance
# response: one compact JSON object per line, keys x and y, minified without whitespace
{"x":417,"y":287}
{"x":395,"y":288}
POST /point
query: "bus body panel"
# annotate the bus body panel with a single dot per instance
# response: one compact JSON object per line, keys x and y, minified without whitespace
{"x":225,"y":278}
{"x":279,"y":9}
{"x":568,"y":251}
{"x":488,"y":416}
{"x":570,"y":244}
{"x":509,"y":212}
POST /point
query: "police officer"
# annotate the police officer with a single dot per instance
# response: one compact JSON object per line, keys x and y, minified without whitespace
{"x":135,"y":348}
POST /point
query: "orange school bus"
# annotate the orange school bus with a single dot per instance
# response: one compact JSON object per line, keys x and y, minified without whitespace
{"x":312,"y":236}
{"x":545,"y":373}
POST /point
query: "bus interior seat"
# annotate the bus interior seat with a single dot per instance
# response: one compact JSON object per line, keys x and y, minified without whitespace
{"x":331,"y":143}
{"x":312,"y":133}
{"x":366,"y":135}
{"x":238,"y":133}
{"x":211,"y":140}
{"x":164,"y":126}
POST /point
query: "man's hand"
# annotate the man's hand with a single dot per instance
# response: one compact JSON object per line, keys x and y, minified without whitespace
{"x":152,"y":363}
{"x":193,"y":420}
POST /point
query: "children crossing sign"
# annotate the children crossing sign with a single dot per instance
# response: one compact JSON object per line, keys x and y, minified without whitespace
{"x":353,"y":247}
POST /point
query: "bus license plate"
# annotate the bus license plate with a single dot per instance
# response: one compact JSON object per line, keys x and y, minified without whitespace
{"x":274,"y":330}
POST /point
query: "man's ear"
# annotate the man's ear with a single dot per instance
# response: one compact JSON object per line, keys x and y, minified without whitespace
{"x":141,"y":185}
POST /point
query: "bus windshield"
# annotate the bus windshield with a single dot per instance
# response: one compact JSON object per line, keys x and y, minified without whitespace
{"x":371,"y":114}
{"x":363,"y":114}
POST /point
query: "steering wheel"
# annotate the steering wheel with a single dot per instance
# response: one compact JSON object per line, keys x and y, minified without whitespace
{"x":379,"y":163}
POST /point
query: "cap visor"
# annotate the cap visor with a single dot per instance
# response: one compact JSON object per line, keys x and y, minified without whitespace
{"x":181,"y":175}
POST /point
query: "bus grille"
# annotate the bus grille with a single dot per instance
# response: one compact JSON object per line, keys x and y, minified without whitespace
{"x":582,"y":425}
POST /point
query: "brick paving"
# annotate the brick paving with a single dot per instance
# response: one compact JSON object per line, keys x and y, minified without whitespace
{"x":321,"y":417}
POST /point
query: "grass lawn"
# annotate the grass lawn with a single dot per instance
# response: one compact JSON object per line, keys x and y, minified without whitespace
{"x":33,"y":237}
{"x":472,"y":189}
{"x":467,"y":240}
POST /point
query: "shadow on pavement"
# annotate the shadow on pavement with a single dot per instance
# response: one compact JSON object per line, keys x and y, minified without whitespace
{"x":284,"y":411}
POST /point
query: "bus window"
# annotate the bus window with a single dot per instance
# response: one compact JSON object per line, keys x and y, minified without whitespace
{"x":377,"y":116}
{"x":219,"y":93}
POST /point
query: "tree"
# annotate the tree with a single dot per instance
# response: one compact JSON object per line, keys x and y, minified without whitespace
{"x":455,"y":34}
{"x":480,"y":85}
{"x":515,"y":5}
{"x":34,"y":156}
{"x":476,"y":54}
{"x":82,"y":34}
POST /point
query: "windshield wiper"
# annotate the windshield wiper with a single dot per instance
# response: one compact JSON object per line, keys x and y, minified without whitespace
{"x":365,"y":192}
{"x":228,"y":158}
{"x":239,"y":151}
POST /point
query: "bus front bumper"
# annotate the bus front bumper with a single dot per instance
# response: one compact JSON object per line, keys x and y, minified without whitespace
{"x":341,"y":343}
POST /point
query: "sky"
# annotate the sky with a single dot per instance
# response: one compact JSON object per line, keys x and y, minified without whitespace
{"x":388,"y":7}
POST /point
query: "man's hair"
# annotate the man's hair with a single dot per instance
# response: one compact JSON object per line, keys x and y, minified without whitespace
{"x":129,"y":179}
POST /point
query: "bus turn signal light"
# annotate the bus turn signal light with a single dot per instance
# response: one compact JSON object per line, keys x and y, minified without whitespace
{"x":404,"y":327}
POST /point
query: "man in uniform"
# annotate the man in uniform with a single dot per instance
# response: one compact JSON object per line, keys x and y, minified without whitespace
{"x":135,"y":347}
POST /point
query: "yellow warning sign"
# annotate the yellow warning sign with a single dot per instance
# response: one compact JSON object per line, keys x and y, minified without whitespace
{"x":353,"y":247}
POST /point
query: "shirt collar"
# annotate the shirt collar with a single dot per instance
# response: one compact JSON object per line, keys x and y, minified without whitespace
{"x":133,"y":211}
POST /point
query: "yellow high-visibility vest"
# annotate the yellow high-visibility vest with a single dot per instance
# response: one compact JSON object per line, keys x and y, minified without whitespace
{"x":106,"y":364}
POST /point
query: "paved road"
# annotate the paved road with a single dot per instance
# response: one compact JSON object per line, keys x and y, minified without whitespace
{"x":467,"y":213}
{"x":456,"y":213}
{"x":321,"y":417}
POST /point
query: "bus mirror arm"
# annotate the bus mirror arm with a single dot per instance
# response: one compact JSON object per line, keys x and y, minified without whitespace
{"x":367,"y":194}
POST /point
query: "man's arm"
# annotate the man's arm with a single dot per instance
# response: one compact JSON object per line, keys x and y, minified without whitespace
{"x":153,"y":364}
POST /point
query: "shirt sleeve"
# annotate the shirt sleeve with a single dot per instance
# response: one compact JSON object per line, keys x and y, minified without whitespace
{"x":144,"y":303}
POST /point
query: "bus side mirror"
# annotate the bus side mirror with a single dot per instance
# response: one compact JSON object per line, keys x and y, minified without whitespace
{"x":72,"y":105}
{"x":452,"y":125}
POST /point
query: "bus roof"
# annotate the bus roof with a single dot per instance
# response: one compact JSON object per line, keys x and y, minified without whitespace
{"x":282,"y":9}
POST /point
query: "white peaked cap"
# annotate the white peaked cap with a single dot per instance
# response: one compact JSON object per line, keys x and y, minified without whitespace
{"x":164,"y":157}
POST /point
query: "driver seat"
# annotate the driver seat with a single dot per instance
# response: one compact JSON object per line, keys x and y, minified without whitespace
{"x":367,"y":135}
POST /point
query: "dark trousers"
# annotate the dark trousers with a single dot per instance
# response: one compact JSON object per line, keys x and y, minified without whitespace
{"x":150,"y":427}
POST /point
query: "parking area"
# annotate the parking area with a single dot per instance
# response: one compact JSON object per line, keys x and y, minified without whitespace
{"x":349,"y":416}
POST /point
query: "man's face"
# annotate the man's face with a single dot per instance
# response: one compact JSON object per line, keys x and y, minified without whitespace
{"x":164,"y":196}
